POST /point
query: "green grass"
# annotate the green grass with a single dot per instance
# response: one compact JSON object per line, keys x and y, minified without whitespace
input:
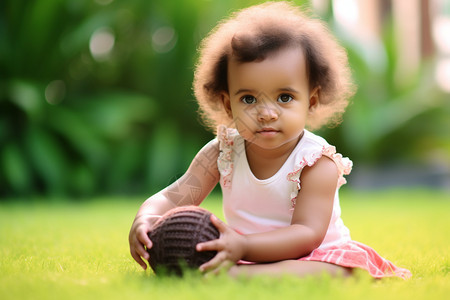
{"x":80,"y":251}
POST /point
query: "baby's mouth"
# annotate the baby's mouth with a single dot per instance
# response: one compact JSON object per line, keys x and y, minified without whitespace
{"x":267,"y":131}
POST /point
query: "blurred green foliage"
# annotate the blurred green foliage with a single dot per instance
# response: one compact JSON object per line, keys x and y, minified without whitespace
{"x":395,"y":117}
{"x":75,"y":123}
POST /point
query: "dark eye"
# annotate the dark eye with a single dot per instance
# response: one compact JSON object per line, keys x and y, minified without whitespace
{"x":285,"y":98}
{"x":247,"y":99}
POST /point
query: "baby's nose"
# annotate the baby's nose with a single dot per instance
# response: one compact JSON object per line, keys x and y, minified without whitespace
{"x":267,"y":113}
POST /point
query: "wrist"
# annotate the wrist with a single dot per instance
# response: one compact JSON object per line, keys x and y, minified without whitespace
{"x":244,"y":245}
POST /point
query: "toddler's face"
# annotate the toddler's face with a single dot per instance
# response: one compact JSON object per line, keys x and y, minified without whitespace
{"x":269,"y":100}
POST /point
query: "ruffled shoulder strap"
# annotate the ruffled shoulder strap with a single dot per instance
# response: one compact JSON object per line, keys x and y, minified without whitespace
{"x":226,"y":137}
{"x":344,"y":165}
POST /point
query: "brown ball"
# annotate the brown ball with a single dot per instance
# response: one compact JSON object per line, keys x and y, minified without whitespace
{"x":175,"y":236}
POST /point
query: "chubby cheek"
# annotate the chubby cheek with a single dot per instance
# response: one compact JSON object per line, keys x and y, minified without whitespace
{"x":244,"y":122}
{"x":244,"y":128}
{"x":296,"y":128}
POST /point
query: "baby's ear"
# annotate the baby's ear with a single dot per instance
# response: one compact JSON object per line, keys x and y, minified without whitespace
{"x":314,"y":99}
{"x":226,"y":103}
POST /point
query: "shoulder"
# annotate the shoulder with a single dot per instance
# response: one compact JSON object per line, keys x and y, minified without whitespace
{"x":226,"y":136}
{"x":315,"y":149}
{"x":318,"y":163}
{"x":209,"y":152}
{"x":309,"y":149}
{"x":204,"y":164}
{"x":323,"y":171}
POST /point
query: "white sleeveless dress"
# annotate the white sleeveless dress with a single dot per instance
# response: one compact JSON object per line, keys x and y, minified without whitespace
{"x":252,"y":205}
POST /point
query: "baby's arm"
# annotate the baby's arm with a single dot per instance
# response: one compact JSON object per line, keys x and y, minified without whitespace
{"x":308,"y":227}
{"x":198,"y":181}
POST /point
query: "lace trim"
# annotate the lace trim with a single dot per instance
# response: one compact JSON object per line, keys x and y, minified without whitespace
{"x":225,"y":164}
{"x":344,"y":165}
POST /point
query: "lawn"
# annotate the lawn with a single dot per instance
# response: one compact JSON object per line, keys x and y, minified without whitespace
{"x":79,"y":250}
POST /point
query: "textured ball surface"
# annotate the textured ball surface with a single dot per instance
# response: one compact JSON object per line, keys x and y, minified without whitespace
{"x":175,"y":236}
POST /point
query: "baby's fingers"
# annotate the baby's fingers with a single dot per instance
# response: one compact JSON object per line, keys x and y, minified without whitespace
{"x":214,"y":263}
{"x":225,"y":266}
{"x":142,"y":237}
{"x":220,"y":225}
{"x":138,"y":248}
{"x":137,"y":257}
{"x":214,"y":245}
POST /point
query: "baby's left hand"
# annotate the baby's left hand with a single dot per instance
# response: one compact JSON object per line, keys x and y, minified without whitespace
{"x":230,"y":248}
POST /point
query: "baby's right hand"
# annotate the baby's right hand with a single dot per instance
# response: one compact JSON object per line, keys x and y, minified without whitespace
{"x":139,"y":240}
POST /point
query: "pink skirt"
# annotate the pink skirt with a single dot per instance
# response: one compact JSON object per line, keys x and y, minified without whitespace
{"x":357,"y":255}
{"x":353,"y":254}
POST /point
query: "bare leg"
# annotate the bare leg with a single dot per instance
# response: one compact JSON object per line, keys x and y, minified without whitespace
{"x":290,"y":267}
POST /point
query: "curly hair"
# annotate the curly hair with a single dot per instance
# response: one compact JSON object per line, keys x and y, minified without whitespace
{"x":252,"y":34}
